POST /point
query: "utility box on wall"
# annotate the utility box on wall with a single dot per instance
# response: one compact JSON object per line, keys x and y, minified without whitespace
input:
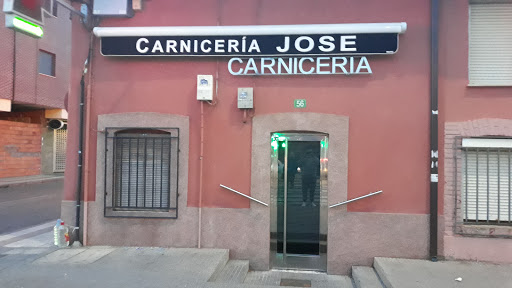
{"x":205,"y":87}
{"x":113,"y":8}
{"x":245,"y":98}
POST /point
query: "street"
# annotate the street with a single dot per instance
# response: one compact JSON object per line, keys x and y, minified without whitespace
{"x":27,"y":205}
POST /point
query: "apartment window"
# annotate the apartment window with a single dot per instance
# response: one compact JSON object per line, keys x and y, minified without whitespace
{"x":144,"y":170}
{"x":50,"y":6}
{"x":486,"y":181}
{"x":46,"y":63}
{"x":490,"y":44}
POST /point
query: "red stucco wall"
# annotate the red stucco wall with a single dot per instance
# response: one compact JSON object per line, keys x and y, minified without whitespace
{"x":460,"y":103}
{"x":457,"y":101}
{"x":389,"y":110}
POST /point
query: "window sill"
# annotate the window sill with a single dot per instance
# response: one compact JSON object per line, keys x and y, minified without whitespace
{"x":111,"y":213}
{"x":489,"y":85}
{"x":484,"y":230}
{"x":46,"y":75}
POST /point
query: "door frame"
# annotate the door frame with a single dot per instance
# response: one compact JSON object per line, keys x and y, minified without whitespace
{"x":286,"y":260}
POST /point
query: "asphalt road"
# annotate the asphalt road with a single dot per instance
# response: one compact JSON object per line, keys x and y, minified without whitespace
{"x":30,"y":204}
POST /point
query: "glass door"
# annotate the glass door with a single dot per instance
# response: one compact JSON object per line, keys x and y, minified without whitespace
{"x":299,"y":201}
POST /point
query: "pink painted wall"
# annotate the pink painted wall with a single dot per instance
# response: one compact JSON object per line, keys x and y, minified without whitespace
{"x":388,"y":142}
{"x":80,"y":48}
{"x":459,"y":103}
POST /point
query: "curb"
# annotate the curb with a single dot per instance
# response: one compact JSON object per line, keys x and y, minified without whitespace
{"x":25,"y":182}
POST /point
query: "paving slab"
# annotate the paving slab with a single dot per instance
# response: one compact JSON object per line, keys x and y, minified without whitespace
{"x":234,"y":272}
{"x":407,"y":273}
{"x":59,"y":256}
{"x":114,"y":267}
{"x":41,"y":240}
{"x":89,"y":256}
{"x":45,"y":227}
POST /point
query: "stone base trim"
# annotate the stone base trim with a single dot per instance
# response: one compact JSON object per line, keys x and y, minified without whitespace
{"x":478,"y":249}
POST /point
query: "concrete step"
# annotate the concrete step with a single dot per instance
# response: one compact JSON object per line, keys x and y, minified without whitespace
{"x":365,"y":277}
{"x":235,"y":271}
{"x":379,"y":264}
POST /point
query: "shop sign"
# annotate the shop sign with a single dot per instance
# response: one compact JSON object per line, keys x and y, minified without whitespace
{"x":262,"y":50}
{"x":250,"y":46}
{"x":303,"y":65}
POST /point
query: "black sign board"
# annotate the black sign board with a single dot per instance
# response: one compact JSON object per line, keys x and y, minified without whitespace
{"x":252,"y":45}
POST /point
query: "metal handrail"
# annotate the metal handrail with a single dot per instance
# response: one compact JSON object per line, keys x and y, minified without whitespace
{"x":355,"y":199}
{"x":242,"y":194}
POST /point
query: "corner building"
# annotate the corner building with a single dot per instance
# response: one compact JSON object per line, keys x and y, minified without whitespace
{"x":160,"y":165}
{"x":34,"y":88}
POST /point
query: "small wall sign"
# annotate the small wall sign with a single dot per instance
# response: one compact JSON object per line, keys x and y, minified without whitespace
{"x":299,"y":103}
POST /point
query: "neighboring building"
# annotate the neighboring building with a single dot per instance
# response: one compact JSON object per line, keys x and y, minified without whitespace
{"x":34,"y":84}
{"x":156,"y":156}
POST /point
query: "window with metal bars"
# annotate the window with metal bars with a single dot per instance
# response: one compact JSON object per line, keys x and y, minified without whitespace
{"x":486,"y":181}
{"x":144,"y":170}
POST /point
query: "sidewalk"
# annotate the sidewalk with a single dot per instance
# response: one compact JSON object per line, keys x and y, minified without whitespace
{"x":6,"y":182}
{"x":405,"y":273}
{"x":34,"y":262}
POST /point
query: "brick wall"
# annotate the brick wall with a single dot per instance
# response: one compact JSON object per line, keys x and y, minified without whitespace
{"x":51,"y":91}
{"x":20,"y":149}
{"x":30,"y":87}
{"x":454,"y":132}
{"x":6,"y":59}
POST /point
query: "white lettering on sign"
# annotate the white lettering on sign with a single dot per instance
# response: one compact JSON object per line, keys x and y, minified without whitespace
{"x":171,"y":45}
{"x":138,"y":45}
{"x":254,"y":46}
{"x":305,"y":65}
{"x":232,"y":45}
{"x":219,"y":45}
{"x":309,"y":47}
{"x":203,"y":46}
{"x":303,"y":45}
{"x":344,"y":43}
{"x":285,"y":47}
{"x":157,"y":47}
{"x":326,"y":41}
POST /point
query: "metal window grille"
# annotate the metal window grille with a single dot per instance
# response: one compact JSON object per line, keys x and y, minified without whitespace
{"x":59,"y":149}
{"x":486,"y":185}
{"x":144,"y":169}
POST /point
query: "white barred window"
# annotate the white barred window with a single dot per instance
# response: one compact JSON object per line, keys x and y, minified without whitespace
{"x":486,"y":181}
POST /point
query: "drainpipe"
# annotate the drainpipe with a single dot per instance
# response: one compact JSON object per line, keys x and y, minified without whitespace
{"x":76,"y":231}
{"x":434,"y":173}
{"x":79,"y":182}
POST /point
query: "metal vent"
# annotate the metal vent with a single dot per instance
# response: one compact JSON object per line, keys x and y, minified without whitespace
{"x":59,"y":149}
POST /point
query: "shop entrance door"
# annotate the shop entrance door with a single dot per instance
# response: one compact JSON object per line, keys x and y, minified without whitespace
{"x":299,"y":201}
